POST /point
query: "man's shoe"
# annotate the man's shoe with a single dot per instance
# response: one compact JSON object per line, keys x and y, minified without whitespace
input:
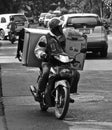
{"x":71,"y":100}
{"x":35,"y":93}
{"x":19,"y":58}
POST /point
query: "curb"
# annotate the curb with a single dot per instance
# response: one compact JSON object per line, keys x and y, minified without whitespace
{"x":3,"y":125}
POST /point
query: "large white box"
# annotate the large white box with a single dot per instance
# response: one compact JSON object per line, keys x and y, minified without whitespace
{"x":74,"y":43}
{"x":31,"y":38}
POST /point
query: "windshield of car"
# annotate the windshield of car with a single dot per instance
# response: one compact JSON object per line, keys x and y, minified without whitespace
{"x":19,"y":18}
{"x":49,"y":16}
{"x":42,"y":15}
{"x":57,"y":14}
{"x":82,"y":21}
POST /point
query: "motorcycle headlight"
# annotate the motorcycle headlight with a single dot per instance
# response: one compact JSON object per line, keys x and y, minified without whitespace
{"x":65,"y":72}
{"x":64,"y":58}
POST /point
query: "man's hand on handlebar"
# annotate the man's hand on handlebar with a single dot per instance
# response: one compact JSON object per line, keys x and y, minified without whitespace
{"x":43,"y":55}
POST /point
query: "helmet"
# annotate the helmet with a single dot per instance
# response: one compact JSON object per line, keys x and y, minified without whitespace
{"x":54,"y":23}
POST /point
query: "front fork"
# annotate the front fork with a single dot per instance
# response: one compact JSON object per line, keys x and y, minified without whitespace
{"x":62,"y":83}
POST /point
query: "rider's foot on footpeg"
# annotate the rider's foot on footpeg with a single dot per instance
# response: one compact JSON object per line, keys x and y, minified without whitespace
{"x":35,"y":94}
{"x":71,"y":100}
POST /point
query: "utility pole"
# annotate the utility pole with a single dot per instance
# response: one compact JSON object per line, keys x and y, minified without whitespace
{"x":101,"y":8}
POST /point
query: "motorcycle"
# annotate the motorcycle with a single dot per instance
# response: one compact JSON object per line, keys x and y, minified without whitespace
{"x":59,"y":92}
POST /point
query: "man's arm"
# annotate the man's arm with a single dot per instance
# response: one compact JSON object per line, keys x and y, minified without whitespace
{"x":62,"y":41}
{"x":39,"y":50}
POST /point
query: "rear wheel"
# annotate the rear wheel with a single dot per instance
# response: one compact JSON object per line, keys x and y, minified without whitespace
{"x":103,"y":53}
{"x":62,"y":104}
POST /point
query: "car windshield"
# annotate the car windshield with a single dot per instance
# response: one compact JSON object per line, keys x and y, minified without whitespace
{"x":82,"y":21}
{"x":42,"y":15}
{"x":49,"y":16}
{"x":19,"y":18}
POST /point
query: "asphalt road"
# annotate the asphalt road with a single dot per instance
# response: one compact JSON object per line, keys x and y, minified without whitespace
{"x":92,"y":109}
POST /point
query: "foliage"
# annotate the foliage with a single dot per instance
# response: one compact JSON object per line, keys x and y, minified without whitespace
{"x":5,"y":6}
{"x":35,"y":7}
{"x":100,"y":7}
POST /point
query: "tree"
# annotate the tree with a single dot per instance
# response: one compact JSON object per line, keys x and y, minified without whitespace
{"x":100,"y":7}
{"x":5,"y":6}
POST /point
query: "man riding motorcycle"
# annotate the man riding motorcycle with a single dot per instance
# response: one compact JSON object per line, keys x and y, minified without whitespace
{"x":54,"y":41}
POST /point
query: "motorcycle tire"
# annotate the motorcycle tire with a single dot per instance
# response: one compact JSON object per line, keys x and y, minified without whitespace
{"x":61,"y":108}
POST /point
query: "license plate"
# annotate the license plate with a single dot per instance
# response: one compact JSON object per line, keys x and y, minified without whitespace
{"x":86,"y":31}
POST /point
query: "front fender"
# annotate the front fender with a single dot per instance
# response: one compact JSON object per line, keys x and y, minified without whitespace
{"x":62,"y":83}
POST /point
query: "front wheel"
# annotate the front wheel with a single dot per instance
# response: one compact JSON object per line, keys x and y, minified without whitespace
{"x":62,"y":104}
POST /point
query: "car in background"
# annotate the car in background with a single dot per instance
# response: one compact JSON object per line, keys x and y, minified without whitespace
{"x":91,"y":25}
{"x":20,"y":20}
{"x":30,"y":17}
{"x":41,"y":18}
{"x":48,"y":17}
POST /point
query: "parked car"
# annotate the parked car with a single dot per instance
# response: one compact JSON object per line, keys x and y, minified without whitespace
{"x":89,"y":24}
{"x":48,"y":17}
{"x":41,"y":18}
{"x":20,"y":20}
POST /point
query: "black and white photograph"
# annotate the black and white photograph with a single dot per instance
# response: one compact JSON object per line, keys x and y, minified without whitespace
{"x":56,"y":65}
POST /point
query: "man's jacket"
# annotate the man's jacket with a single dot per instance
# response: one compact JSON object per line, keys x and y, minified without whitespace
{"x":53,"y":45}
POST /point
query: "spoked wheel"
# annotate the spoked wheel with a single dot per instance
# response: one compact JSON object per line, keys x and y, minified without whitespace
{"x":62,"y":105}
{"x":2,"y":34}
